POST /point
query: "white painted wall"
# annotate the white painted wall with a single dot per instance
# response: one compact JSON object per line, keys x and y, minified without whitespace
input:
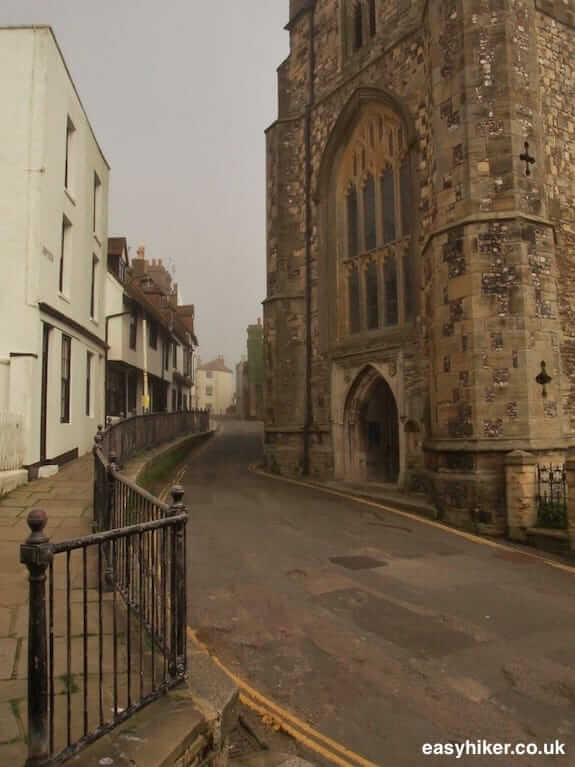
{"x":222,"y":384}
{"x":38,"y":98}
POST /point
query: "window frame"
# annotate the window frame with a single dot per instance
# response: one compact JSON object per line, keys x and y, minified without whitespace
{"x":371,"y":283}
{"x":65,"y":377}
{"x":153,"y":334}
{"x":64,"y":261}
{"x":96,"y":203}
{"x":133,"y":330}
{"x":379,"y":134}
{"x":89,"y":383}
{"x":69,"y":156}
{"x":93,"y":288}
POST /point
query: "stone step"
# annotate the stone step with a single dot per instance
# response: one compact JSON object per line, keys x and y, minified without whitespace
{"x":169,"y":732}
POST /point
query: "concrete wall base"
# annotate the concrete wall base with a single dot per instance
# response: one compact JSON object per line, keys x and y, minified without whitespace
{"x":10,"y":480}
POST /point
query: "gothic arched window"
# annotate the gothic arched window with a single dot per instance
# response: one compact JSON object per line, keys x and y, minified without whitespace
{"x":352,"y":224}
{"x":357,"y":25}
{"x":390,"y":291}
{"x":354,"y":309}
{"x":388,"y":204}
{"x":405,"y":198}
{"x":372,"y":296}
{"x":370,"y":231}
{"x":373,"y":210}
{"x":372,"y":17}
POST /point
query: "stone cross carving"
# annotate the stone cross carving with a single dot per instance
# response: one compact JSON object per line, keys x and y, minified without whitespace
{"x":527,"y":159}
{"x":543,"y":379}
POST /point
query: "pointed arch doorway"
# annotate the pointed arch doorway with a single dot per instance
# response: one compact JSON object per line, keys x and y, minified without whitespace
{"x":372,"y":446}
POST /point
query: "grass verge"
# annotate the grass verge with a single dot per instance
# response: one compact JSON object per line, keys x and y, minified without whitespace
{"x":158,"y":472}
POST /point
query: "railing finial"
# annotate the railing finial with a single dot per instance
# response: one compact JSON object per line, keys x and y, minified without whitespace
{"x":36,"y":554}
{"x":37,"y":520}
{"x":177,"y":493}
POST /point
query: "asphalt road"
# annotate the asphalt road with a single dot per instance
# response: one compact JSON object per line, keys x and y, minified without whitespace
{"x":382,"y":632}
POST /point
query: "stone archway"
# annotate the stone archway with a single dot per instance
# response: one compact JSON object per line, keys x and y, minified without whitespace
{"x":371,"y":424}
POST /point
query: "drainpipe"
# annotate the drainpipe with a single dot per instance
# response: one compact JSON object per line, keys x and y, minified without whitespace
{"x":145,"y":370}
{"x":308,"y":227}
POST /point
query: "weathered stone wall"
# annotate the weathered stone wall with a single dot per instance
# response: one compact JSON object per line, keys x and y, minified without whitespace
{"x":475,"y":79}
{"x":391,"y":63}
{"x":556,"y":60}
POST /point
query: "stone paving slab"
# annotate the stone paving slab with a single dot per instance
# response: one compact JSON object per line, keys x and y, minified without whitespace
{"x":67,"y":500}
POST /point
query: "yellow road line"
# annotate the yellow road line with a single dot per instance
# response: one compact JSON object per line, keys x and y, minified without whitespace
{"x":417,"y":518}
{"x":312,"y":745}
{"x":283,"y":717}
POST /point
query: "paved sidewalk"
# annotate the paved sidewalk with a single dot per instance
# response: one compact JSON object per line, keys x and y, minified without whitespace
{"x":67,"y":500}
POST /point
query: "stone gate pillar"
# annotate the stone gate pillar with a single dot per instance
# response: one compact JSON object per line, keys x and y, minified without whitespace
{"x":570,"y":471}
{"x":520,"y":491}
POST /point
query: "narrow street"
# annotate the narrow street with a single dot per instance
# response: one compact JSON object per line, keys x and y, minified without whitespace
{"x":382,"y":632}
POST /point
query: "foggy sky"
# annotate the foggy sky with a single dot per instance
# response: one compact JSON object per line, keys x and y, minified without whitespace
{"x":179,"y":95}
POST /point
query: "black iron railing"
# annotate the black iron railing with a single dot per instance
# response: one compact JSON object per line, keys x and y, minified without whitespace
{"x":107,"y":614}
{"x":133,"y":435}
{"x":552,"y":496}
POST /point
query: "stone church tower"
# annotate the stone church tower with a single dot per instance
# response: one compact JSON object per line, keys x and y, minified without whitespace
{"x":420,"y":311}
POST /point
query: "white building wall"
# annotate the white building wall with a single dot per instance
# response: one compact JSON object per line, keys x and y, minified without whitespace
{"x":38,"y":97}
{"x":222,"y":396}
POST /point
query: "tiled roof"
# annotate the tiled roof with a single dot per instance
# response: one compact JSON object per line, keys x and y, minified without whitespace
{"x":217,"y":365}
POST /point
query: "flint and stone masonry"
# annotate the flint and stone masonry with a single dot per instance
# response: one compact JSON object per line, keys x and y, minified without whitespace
{"x":421,"y":245}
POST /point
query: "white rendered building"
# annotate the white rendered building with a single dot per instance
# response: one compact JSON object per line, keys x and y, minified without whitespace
{"x":214,"y":386}
{"x":53,"y":246}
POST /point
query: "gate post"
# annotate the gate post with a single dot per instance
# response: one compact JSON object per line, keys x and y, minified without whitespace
{"x":521,"y":493}
{"x":178,"y":640}
{"x":570,"y":471}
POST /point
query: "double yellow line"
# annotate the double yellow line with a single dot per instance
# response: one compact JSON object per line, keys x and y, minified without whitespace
{"x":280,"y":719}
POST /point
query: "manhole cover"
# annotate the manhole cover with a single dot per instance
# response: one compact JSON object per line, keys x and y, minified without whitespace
{"x":357,"y":563}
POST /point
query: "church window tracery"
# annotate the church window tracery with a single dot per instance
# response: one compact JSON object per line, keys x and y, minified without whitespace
{"x":375,"y":224}
{"x":388,"y":204}
{"x":354,"y":300}
{"x":372,"y":17}
{"x":352,"y":227}
{"x":405,"y":199}
{"x":372,"y":296}
{"x":370,"y":232}
{"x":359,"y":24}
{"x":390,"y":291}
